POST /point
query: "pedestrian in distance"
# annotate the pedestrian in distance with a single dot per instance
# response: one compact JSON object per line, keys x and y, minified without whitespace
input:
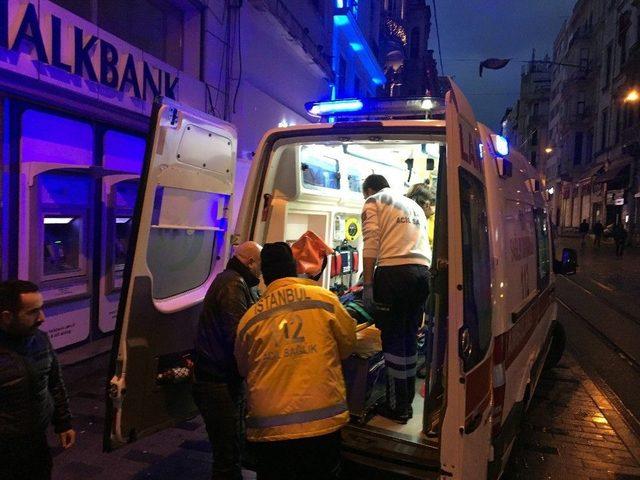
{"x":598,"y":230}
{"x":289,"y":348}
{"x":218,"y":390}
{"x":32,"y":391}
{"x":620,"y":238}
{"x":397,"y":249}
{"x":583,"y":230}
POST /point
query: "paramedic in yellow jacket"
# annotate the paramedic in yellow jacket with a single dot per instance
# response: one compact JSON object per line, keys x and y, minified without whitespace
{"x":289,"y":347}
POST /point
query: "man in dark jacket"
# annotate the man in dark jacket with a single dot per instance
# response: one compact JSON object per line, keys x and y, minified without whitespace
{"x":219,"y":390}
{"x":584,"y":230}
{"x":598,"y":230}
{"x":32,"y":393}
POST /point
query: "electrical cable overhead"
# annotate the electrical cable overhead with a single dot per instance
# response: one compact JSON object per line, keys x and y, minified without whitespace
{"x":435,"y":16}
{"x":235,"y":96}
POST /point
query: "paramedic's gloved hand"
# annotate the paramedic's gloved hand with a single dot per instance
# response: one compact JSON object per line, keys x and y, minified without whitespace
{"x":367,"y":298}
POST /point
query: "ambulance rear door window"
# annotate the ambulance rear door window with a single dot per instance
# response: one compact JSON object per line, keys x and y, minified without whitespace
{"x":476,"y":267}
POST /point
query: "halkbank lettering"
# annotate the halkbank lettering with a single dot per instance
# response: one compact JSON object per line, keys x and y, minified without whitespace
{"x":86,"y":50}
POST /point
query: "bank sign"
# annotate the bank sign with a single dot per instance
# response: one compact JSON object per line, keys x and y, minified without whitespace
{"x":41,"y":40}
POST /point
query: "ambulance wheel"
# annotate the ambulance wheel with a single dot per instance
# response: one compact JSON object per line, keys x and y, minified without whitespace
{"x":558,"y":343}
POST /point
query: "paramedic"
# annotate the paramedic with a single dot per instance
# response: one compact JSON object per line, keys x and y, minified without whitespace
{"x":421,"y":194}
{"x":288,"y":348}
{"x":218,"y":390}
{"x":32,"y":391}
{"x":395,"y":240}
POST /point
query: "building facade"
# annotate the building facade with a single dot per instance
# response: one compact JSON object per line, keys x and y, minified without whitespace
{"x":409,"y":66}
{"x":77,"y":83}
{"x":593,"y":123}
{"x":526,"y":124}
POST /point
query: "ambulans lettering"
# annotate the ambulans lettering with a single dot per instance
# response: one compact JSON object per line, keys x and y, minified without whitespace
{"x":104,"y":71}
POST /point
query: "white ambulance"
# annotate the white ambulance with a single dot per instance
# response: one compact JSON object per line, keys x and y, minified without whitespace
{"x":492,"y":313}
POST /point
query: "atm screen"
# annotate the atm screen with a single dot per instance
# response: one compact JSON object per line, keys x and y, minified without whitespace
{"x":122,"y":235}
{"x":62,"y":245}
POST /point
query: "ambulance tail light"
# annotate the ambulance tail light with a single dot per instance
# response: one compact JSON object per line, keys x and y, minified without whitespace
{"x":372,"y":107}
{"x":499,"y":384}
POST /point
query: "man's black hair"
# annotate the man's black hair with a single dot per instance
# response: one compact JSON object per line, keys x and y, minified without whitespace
{"x":277,"y":262}
{"x":375,"y":182}
{"x":10,"y":292}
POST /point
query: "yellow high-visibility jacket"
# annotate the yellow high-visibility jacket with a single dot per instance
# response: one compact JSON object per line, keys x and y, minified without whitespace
{"x":289,"y":347}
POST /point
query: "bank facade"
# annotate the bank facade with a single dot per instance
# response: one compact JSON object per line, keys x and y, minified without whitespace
{"x":77,"y":84}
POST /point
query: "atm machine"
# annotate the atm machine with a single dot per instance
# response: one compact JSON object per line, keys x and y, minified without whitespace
{"x":58,"y":256}
{"x":56,"y":220}
{"x":119,"y":197}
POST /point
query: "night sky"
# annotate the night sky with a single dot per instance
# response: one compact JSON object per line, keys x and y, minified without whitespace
{"x":472,"y":30}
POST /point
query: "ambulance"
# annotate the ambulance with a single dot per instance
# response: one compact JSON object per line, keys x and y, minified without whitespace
{"x":491,"y":313}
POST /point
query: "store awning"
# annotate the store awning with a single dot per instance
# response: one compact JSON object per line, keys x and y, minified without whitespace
{"x":619,"y":172}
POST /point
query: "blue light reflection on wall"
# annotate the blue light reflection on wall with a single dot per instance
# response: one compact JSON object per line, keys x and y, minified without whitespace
{"x":56,"y":139}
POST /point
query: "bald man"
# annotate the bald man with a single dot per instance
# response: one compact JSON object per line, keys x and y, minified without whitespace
{"x":218,"y":390}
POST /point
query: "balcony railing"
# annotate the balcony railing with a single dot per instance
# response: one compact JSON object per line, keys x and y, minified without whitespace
{"x":298,"y":31}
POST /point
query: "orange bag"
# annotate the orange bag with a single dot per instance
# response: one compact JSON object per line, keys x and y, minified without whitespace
{"x":310,"y":253}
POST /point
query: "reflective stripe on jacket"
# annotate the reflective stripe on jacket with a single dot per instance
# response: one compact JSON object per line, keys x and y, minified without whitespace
{"x":289,"y":347}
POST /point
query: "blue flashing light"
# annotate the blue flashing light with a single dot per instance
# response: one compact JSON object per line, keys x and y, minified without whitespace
{"x":356,"y":46}
{"x":378,"y":81}
{"x":340,"y":20}
{"x":339,"y":4}
{"x":481,"y":150}
{"x":500,"y":145}
{"x":336,"y":106}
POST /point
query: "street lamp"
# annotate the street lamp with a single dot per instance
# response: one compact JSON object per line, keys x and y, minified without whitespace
{"x":632,"y":96}
{"x":548,"y":150}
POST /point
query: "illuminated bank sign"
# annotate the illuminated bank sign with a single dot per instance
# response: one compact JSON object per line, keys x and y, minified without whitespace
{"x":41,"y":40}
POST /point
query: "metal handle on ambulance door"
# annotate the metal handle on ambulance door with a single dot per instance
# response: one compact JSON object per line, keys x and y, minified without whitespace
{"x":466,"y":347}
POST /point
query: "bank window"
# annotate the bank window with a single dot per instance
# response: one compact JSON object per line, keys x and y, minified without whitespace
{"x":476,"y":269}
{"x":542,"y":240}
{"x":186,"y":239}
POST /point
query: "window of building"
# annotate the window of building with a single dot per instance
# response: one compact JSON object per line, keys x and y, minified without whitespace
{"x":584,"y":58}
{"x":534,"y":158}
{"x":534,"y":138}
{"x":604,"y":125}
{"x":155,"y":26}
{"x":536,"y":108}
{"x":608,"y":62}
{"x":622,"y":40}
{"x":580,"y":104}
{"x":476,"y":268}
{"x":577,"y":150}
{"x":589,"y":147}
{"x":618,"y":125}
{"x":414,"y":51}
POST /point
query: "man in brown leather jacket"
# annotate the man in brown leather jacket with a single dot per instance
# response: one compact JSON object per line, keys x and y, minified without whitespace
{"x":219,"y":391}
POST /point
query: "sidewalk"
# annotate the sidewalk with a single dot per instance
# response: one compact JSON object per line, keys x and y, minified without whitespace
{"x":571,"y":432}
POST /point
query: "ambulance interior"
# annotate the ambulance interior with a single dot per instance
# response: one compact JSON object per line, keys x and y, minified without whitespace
{"x":317,"y":185}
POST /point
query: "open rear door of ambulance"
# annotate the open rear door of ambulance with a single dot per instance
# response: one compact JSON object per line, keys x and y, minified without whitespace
{"x":178,"y":244}
{"x":466,"y":429}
